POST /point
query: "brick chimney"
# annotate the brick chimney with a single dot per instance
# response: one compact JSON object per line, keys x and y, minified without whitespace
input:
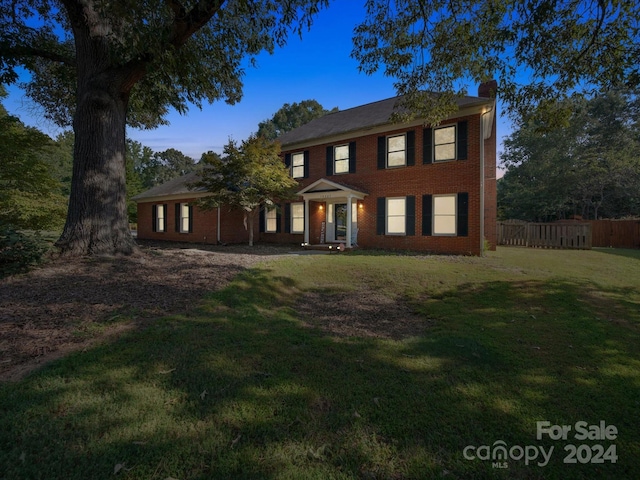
{"x":488,"y":89}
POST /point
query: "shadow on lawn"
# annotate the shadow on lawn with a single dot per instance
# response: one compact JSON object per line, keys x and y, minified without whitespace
{"x":238,"y":388}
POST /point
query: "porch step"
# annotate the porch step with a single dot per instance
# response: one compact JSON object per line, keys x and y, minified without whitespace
{"x":331,"y":247}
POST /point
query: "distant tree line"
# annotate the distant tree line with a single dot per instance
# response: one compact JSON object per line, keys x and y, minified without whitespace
{"x":589,"y":167}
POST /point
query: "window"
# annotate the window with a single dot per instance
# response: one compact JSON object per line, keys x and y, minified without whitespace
{"x":185,"y":212}
{"x":297,"y":165}
{"x":341,"y":159}
{"x":297,"y":218}
{"x":444,"y":143}
{"x":444,"y":214}
{"x":396,"y":150}
{"x":159,"y":218}
{"x":271,"y":220}
{"x":396,"y":211}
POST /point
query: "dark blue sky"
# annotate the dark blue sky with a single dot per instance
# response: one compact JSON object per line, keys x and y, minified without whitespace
{"x":318,"y":66}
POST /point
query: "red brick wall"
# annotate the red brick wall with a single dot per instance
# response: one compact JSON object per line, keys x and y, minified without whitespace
{"x":433,"y":179}
{"x":232,"y":228}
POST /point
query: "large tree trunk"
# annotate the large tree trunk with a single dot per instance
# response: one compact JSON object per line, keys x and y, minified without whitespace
{"x":97,"y":221}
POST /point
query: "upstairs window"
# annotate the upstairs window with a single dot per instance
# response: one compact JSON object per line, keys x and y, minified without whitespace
{"x":297,"y":165}
{"x":341,"y":159}
{"x":396,"y":151}
{"x":444,"y":143}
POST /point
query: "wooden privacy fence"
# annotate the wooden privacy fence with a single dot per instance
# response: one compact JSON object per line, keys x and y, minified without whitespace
{"x":545,"y":235}
{"x":616,"y":233}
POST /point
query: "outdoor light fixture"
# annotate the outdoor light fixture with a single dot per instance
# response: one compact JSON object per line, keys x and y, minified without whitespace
{"x":321,"y":207}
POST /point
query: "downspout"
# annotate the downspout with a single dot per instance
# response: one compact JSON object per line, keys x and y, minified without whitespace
{"x":482,"y":175}
{"x":218,"y":227}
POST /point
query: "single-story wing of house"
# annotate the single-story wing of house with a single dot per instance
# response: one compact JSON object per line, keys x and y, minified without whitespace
{"x":363,"y":181}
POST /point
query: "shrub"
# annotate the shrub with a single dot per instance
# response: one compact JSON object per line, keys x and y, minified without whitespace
{"x":19,"y":251}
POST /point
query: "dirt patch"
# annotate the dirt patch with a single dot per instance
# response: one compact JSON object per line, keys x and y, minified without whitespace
{"x":68,"y":305}
{"x":363,"y":313}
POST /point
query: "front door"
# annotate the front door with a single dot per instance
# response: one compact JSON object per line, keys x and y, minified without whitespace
{"x":340,"y":221}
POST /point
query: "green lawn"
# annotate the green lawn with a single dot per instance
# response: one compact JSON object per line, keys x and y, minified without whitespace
{"x":242,"y":388}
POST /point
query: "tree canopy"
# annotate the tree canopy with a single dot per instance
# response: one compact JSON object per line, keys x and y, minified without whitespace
{"x":541,"y":51}
{"x":291,"y":116}
{"x":249,"y":177}
{"x":30,"y":195}
{"x":589,"y":168}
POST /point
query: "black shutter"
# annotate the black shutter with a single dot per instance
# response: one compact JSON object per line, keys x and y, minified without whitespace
{"x":190,"y":218}
{"x":165,"y":212}
{"x":410,"y":215}
{"x":411,"y":148}
{"x":463,"y":214}
{"x":306,"y":164}
{"x":427,"y":214}
{"x":462,"y":140}
{"x":381,"y":216}
{"x":278,"y":218}
{"x":382,"y":153}
{"x":427,"y":146}
{"x":154,"y":217}
{"x":352,"y":157}
{"x":329,"y":161}
{"x":262,"y":220}
{"x":177,"y":219}
{"x":287,"y":160}
{"x":287,"y":218}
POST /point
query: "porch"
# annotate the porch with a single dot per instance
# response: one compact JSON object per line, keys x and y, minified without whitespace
{"x":338,"y":210}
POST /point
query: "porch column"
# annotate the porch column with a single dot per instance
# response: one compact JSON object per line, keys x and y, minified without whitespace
{"x":306,"y":220}
{"x":349,"y":219}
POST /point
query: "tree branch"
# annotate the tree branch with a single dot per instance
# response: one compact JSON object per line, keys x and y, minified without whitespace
{"x":29,"y":51}
{"x":188,"y":23}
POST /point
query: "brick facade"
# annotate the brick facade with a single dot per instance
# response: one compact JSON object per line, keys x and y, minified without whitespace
{"x":449,"y":177}
{"x":420,"y":181}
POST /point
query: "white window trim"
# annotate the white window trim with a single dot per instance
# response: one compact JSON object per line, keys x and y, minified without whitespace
{"x":294,"y":166}
{"x":161,"y":228}
{"x":184,"y":218}
{"x":404,"y":217}
{"x":336,"y":160}
{"x":271,"y":214}
{"x":294,"y":217}
{"x":404,"y":163}
{"x":455,"y":216}
{"x":455,"y":143}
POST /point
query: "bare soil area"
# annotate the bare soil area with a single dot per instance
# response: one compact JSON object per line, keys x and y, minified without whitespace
{"x":68,"y":305}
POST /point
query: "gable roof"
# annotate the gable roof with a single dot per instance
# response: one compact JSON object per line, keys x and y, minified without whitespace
{"x":175,"y":186}
{"x":356,"y":118}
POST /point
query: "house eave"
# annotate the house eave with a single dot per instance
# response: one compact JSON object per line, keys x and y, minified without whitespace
{"x":175,"y":196}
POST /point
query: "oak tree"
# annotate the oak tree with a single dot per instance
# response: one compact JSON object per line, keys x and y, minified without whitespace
{"x":100,"y":65}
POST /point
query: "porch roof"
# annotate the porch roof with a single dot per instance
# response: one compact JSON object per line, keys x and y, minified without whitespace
{"x":326,"y":189}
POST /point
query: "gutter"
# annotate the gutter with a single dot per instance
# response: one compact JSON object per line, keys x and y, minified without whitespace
{"x":482,"y":175}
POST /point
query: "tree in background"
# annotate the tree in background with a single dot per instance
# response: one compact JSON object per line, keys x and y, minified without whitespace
{"x":30,"y":196}
{"x":589,"y":168}
{"x":291,"y":116}
{"x":101,"y":65}
{"x":540,"y":50}
{"x":249,"y":177}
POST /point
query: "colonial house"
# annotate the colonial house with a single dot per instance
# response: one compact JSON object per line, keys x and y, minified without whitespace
{"x":365,"y":182}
